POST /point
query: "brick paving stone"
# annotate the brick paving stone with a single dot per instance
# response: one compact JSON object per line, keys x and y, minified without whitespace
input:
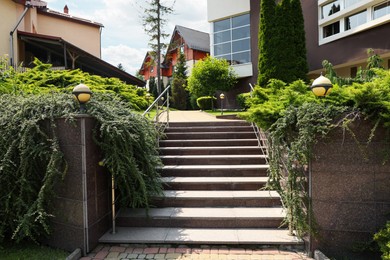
{"x":244,"y":257}
{"x":223,"y":251}
{"x":141,"y":256}
{"x":159,"y":256}
{"x":151,"y":250}
{"x":105,"y":248}
{"x":236,"y":251}
{"x":248,"y":251}
{"x":97,"y":249}
{"x":196,"y":250}
{"x":85,"y":258}
{"x":129,"y":250}
{"x":172,"y":256}
{"x":171,"y":250}
{"x":214,"y":250}
{"x":119,"y":249}
{"x":163,"y":250}
{"x":101,"y":255}
{"x":123,"y":255}
{"x":112,"y":255}
{"x":150,"y":256}
{"x":182,"y":250}
{"x":132,"y":256}
{"x":138,"y":250}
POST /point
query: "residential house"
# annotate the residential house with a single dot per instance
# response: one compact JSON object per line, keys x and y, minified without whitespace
{"x":340,"y":31}
{"x":30,"y":29}
{"x":195,"y":45}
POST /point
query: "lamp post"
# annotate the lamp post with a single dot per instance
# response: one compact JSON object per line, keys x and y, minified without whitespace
{"x":83,"y":95}
{"x":222,"y":97}
{"x":321,"y":86}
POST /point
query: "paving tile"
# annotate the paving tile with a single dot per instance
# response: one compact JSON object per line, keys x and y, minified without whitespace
{"x":123,"y":255}
{"x":132,"y":256}
{"x":117,"y":249}
{"x":151,"y":250}
{"x":113,"y":255}
{"x":101,"y":255}
{"x":141,"y":256}
{"x":172,"y":256}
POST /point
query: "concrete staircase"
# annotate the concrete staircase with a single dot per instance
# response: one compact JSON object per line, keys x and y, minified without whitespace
{"x":212,"y":174}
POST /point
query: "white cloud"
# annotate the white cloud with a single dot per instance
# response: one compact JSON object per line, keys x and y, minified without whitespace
{"x":129,"y":57}
{"x":123,"y":37}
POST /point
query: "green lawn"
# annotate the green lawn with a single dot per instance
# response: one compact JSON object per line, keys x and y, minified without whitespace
{"x":29,"y":250}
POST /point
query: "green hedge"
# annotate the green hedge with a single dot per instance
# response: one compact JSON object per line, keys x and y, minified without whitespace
{"x":206,"y":103}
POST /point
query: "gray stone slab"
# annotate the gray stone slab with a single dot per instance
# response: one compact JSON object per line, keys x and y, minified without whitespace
{"x":135,"y":235}
{"x":266,"y":236}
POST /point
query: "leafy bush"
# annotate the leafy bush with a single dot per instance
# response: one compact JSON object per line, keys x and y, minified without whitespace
{"x":206,"y":103}
{"x":383,"y":240}
{"x":32,"y":162}
{"x":42,"y":79}
{"x":242,"y":100}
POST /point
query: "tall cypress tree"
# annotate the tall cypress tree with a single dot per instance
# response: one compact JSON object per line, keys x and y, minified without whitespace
{"x":267,"y":46}
{"x":179,"y":83}
{"x":285,"y":56}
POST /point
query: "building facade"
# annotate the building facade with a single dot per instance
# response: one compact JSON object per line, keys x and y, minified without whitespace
{"x":195,"y":45}
{"x":340,"y":31}
{"x":29,"y":30}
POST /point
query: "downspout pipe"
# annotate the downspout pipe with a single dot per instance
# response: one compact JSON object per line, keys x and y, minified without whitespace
{"x":11,"y":34}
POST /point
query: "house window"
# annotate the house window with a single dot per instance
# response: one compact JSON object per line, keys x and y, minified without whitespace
{"x":355,"y":20}
{"x":331,"y":29}
{"x":348,"y":3}
{"x":232,"y":39}
{"x":381,"y":10}
{"x":330,"y":9}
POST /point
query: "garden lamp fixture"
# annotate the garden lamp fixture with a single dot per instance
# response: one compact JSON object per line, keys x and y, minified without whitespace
{"x":222,"y":97}
{"x":321,"y":86}
{"x":83,"y":94}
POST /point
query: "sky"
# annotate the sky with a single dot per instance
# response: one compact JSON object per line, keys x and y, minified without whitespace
{"x":123,"y":37}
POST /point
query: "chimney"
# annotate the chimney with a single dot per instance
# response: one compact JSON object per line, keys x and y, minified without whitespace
{"x":66,"y":9}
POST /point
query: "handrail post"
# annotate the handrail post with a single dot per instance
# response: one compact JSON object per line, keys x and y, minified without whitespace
{"x":113,"y":203}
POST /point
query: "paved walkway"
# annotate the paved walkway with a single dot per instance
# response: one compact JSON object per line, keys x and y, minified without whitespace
{"x":190,"y":116}
{"x":182,"y":252}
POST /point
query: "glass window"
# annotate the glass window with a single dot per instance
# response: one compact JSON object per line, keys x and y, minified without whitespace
{"x":232,"y":39}
{"x":242,"y":57}
{"x":381,"y":10}
{"x":223,"y":48}
{"x":240,"y":20}
{"x":239,"y":33}
{"x":331,"y":29}
{"x":241,"y":45}
{"x":222,"y":25}
{"x":351,"y":2}
{"x":330,"y":9}
{"x":355,"y":20}
{"x":222,"y":37}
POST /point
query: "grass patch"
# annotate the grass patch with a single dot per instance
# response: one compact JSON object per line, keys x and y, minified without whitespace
{"x":29,"y":250}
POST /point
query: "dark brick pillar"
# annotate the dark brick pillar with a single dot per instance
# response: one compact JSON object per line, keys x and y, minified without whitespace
{"x":82,"y":209}
{"x":350,"y":190}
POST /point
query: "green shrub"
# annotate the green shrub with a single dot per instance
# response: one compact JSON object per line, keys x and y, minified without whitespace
{"x":383,"y":240}
{"x":243,"y":100}
{"x":206,"y":103}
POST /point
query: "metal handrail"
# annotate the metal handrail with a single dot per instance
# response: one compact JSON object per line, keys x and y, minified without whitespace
{"x":260,"y":135}
{"x":164,"y":109}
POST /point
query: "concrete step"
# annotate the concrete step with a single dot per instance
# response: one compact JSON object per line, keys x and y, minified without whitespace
{"x":208,"y":142}
{"x":213,"y":159}
{"x":216,"y":150}
{"x":209,"y":129}
{"x":210,"y":135}
{"x":210,"y":123}
{"x":202,"y":217}
{"x":256,"y":170}
{"x":214,"y":183}
{"x":203,"y":236}
{"x":221,"y":198}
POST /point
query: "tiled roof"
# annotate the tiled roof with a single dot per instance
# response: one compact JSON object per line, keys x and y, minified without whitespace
{"x":196,"y":40}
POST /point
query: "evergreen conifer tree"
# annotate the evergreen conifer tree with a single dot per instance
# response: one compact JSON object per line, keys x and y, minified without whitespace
{"x":179,"y":83}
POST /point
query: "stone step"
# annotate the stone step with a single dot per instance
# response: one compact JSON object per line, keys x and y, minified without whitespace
{"x":256,"y":170}
{"x":210,"y":123}
{"x":213,"y":159}
{"x":221,"y":198}
{"x":208,"y":142}
{"x":209,"y":129}
{"x":202,"y":236}
{"x":202,"y":217}
{"x":214,"y":183}
{"x":210,"y":135}
{"x":216,"y":150}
